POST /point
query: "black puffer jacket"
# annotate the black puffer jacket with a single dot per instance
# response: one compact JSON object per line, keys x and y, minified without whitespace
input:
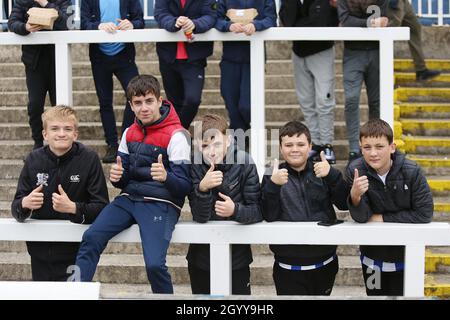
{"x":304,"y":198}
{"x":240,"y":183}
{"x":19,"y":17}
{"x":406,"y":198}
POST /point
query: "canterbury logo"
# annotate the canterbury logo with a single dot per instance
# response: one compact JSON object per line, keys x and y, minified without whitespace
{"x":75,"y":178}
{"x":155,"y":219}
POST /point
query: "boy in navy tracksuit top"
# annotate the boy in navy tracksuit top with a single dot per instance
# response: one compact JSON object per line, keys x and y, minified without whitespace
{"x":235,"y":64}
{"x":182,"y":65}
{"x":152,"y":170}
{"x":108,"y":59}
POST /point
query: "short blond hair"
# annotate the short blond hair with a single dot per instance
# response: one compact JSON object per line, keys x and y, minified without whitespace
{"x":60,"y":112}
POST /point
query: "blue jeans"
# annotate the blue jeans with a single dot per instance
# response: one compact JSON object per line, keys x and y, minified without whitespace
{"x":125,"y":69}
{"x":156,"y":222}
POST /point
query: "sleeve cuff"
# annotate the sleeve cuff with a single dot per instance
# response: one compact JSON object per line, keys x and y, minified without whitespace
{"x":272,"y":187}
{"x":79,"y":216}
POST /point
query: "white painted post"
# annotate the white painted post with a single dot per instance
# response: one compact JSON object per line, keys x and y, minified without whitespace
{"x":440,"y":12}
{"x":258,"y":104}
{"x":63,"y":68}
{"x":220,"y":269}
{"x":387,"y":81}
{"x":414,"y":271}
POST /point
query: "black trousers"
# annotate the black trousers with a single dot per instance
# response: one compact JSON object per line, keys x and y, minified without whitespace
{"x":200,"y":281}
{"x":124,"y":68}
{"x":183,"y":83}
{"x":317,"y":282}
{"x":50,"y":260}
{"x":40,"y":80}
{"x":383,"y":283}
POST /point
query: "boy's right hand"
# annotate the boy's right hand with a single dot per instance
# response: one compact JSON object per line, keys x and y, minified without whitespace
{"x":116,"y":172}
{"x":211,"y":179}
{"x":359,"y":187}
{"x":237,"y":27}
{"x":109,"y":27}
{"x":34,"y":200}
{"x":279,"y":176}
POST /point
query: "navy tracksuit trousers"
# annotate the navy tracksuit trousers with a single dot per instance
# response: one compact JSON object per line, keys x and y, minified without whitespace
{"x":156,"y":222}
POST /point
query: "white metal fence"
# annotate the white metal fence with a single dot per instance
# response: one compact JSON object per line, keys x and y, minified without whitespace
{"x":222,"y":234}
{"x":431,"y":11}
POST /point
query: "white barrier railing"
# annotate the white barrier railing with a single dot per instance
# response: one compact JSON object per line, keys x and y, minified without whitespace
{"x":386,"y":36}
{"x":220,"y":235}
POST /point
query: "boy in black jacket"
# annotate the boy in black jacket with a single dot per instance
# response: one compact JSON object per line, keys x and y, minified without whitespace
{"x":39,"y":60}
{"x":385,"y":187}
{"x":299,"y":190}
{"x":226,"y":187}
{"x":314,"y":70}
{"x":64,"y":181}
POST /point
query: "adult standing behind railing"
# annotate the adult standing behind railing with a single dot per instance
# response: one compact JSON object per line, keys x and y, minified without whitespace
{"x":314,"y":71}
{"x":182,"y":65}
{"x":361,"y":63}
{"x":39,"y":60}
{"x":401,"y":14}
{"x":108,"y":59}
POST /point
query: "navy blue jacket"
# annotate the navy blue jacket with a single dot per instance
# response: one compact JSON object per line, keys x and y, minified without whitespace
{"x":90,"y":20}
{"x":201,"y":12}
{"x":238,"y":51}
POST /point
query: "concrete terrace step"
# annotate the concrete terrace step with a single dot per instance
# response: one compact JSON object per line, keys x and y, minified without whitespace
{"x":143,"y":291}
{"x":209,"y":96}
{"x":438,"y":285}
{"x":424,"y":110}
{"x":285,"y":81}
{"x":280,"y":113}
{"x":87,"y":130}
{"x":408,"y":64}
{"x":83,"y":68}
{"x":432,"y":164}
{"x":437,"y":259}
{"x":426,"y":127}
{"x":427,"y":145}
{"x":129,"y":269}
{"x":422,"y":94}
{"x":408,"y":79}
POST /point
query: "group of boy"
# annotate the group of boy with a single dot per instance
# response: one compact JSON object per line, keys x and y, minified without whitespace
{"x":155,"y":172}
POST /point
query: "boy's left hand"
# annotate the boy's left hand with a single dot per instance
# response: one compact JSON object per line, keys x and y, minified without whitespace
{"x":157,"y":171}
{"x":42,"y":3}
{"x":224,"y":208}
{"x":62,"y":203}
{"x":322,"y":168}
{"x":376,"y":217}
{"x":124,"y":24}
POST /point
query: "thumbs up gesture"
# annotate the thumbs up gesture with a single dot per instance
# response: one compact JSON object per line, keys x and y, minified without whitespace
{"x":211,"y":179}
{"x":116,"y":172}
{"x":224,"y":208}
{"x":359,"y":187}
{"x":62,"y":203}
{"x":279,"y":176}
{"x":322,"y":168}
{"x":34,"y":200}
{"x":157,"y":171}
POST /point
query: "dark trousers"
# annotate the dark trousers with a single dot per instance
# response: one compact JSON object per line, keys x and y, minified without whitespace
{"x":40,"y":80}
{"x":382,"y":283}
{"x":235,"y":91}
{"x":103,"y":69}
{"x":156,"y":222}
{"x":50,"y":261}
{"x":183,"y":83}
{"x":317,"y":282}
{"x":200,"y":281}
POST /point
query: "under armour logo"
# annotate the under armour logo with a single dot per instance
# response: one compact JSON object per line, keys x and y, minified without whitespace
{"x":406,"y":187}
{"x":155,"y":219}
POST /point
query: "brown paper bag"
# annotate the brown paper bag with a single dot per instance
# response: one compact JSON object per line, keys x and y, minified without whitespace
{"x":42,"y":16}
{"x":244,"y":16}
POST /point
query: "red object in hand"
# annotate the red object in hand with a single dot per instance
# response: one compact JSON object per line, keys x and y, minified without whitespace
{"x":189,"y":36}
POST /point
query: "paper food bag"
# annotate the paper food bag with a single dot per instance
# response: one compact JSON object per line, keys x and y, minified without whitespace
{"x":244,"y":16}
{"x":43,"y":16}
